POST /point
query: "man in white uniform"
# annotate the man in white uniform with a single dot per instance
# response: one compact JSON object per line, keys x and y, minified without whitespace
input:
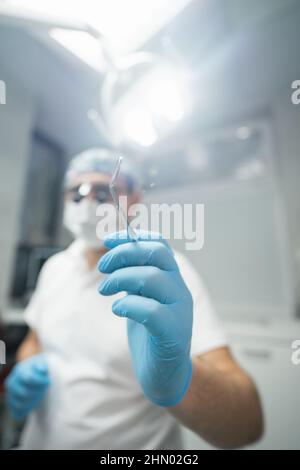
{"x":77,"y":381}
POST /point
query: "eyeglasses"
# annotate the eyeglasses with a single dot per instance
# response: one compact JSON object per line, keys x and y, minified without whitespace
{"x":99,"y":192}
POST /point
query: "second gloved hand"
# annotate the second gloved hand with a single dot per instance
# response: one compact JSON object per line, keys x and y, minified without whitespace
{"x":159,"y":309}
{"x":26,"y":386}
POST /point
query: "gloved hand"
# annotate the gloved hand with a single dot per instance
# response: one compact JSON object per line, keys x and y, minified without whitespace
{"x":159,"y":308}
{"x":26,"y":386}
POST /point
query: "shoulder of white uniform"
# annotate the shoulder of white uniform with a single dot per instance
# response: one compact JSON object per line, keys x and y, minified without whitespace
{"x":181,"y":259}
{"x":185,"y":266}
{"x":54,"y":262}
{"x":190,"y":275}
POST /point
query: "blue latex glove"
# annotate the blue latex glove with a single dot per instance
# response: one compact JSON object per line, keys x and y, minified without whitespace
{"x":26,"y":386}
{"x":159,"y":308}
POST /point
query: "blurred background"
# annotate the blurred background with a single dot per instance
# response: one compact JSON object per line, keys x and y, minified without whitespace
{"x":198,"y":94}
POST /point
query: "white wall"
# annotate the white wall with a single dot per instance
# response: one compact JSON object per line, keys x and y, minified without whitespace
{"x":243,"y":259}
{"x":265,"y":353}
{"x":287,"y":153}
{"x":16,"y":119}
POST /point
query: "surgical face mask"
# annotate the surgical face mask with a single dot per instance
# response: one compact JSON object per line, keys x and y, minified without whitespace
{"x":82,"y":220}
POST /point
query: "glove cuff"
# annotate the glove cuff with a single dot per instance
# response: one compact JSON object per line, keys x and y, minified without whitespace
{"x":176,"y":399}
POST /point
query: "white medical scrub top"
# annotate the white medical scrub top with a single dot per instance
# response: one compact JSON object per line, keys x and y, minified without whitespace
{"x":95,"y":401}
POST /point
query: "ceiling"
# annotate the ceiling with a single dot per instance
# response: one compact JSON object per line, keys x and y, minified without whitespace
{"x":237,"y":64}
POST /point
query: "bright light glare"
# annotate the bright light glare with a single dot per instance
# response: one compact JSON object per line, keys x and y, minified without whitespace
{"x":81,"y":44}
{"x":165,"y":98}
{"x":150,"y":107}
{"x":138,"y":126}
{"x":125,"y":23}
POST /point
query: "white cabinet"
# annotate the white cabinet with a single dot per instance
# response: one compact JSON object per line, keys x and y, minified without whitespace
{"x":268,"y":360}
{"x":279,"y":383}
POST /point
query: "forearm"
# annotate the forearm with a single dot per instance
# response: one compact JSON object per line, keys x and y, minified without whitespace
{"x":29,"y":347}
{"x":221,"y":405}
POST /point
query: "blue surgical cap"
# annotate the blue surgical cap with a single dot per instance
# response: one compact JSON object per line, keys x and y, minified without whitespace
{"x":100,"y":160}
